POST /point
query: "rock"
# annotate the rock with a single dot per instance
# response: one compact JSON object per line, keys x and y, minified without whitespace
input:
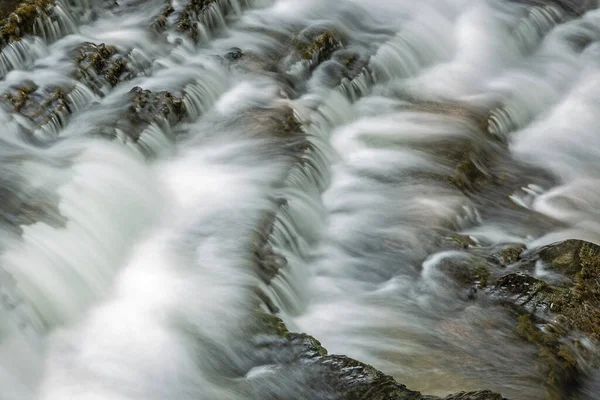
{"x":480,"y":395}
{"x":523,"y":290}
{"x":7,"y":7}
{"x":99,"y":65}
{"x":191,"y":14}
{"x":509,"y":254}
{"x":337,"y":377}
{"x":160,"y":22}
{"x":38,"y":105}
{"x":320,"y":47}
{"x":457,"y":241}
{"x":21,"y":20}
{"x":146,"y":107}
{"x":563,"y":321}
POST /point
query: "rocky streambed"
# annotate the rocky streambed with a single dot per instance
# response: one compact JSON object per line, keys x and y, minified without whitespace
{"x":183,"y":181}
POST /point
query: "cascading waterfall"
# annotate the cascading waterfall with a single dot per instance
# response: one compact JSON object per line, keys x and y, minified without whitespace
{"x":171,"y":171}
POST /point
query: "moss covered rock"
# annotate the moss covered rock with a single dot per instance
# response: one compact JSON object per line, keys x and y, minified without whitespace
{"x":99,"y":65}
{"x":146,"y":107}
{"x":38,"y":105}
{"x":21,"y":20}
{"x":562,"y":319}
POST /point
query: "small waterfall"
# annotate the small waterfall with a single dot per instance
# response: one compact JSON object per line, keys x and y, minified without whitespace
{"x":21,"y":54}
{"x":172,"y":169}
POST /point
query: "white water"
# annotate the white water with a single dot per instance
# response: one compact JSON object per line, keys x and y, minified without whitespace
{"x":145,"y":288}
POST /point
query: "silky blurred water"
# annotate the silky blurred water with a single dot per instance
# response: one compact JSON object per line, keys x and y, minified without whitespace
{"x":136,"y":280}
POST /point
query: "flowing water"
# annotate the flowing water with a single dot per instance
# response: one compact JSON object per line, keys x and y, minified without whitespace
{"x":126,"y":267}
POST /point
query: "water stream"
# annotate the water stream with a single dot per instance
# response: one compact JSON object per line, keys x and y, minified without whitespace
{"x":136,"y":278}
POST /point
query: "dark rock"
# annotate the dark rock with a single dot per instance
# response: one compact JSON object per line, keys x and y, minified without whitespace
{"x":337,"y":377}
{"x":523,"y":290}
{"x":480,"y":395}
{"x":321,"y":47}
{"x":21,"y":20}
{"x":38,"y":105}
{"x":558,"y":319}
{"x":160,"y":22}
{"x":192,"y":13}
{"x":234,"y":53}
{"x":101,"y":65}
{"x":146,"y":106}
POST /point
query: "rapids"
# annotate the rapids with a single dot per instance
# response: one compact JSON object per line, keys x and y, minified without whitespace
{"x":128,"y":262}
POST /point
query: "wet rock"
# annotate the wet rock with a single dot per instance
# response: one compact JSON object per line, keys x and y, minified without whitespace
{"x":523,"y":290}
{"x":337,"y":377}
{"x":160,"y":22}
{"x":277,"y":122}
{"x":477,"y":116}
{"x":234,"y":54}
{"x":509,"y":254}
{"x":38,"y":105}
{"x":21,"y":20}
{"x":458,"y":241}
{"x":563,"y":321}
{"x":320,"y":47}
{"x":99,"y":65}
{"x":479,"y":395}
{"x":466,"y":271}
{"x":146,"y":107}
{"x":7,"y":7}
{"x":21,"y":205}
{"x":467,"y":174}
{"x":194,"y":12}
{"x":267,"y":262}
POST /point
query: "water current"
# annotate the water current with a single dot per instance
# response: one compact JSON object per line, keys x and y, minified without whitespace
{"x":127,"y":262}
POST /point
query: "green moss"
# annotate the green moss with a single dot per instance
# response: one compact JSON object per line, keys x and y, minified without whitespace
{"x":558,"y":361}
{"x":272,"y":325}
{"x":509,"y":255}
{"x":580,"y":303}
{"x":482,"y":275}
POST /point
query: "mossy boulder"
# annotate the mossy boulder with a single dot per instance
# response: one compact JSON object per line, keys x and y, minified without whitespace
{"x":562,"y":319}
